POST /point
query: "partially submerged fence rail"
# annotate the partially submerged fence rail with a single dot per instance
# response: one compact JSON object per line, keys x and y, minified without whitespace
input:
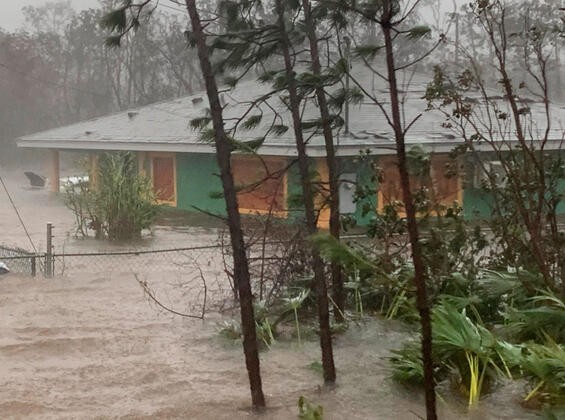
{"x":20,"y":260}
{"x":135,"y":261}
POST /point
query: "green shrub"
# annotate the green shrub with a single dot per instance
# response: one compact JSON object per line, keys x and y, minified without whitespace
{"x":122,"y":203}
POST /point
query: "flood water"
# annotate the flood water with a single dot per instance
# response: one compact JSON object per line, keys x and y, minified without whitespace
{"x":90,"y":345}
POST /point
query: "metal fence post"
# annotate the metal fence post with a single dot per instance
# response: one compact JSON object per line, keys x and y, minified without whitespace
{"x":33,"y":265}
{"x":49,"y":251}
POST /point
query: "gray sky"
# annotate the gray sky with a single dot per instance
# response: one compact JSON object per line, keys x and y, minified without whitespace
{"x":11,"y":16}
{"x":11,"y":10}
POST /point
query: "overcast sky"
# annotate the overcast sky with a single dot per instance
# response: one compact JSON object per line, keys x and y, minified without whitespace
{"x":11,"y":10}
{"x":11,"y":17}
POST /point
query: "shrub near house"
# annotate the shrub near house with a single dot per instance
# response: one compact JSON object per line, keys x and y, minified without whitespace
{"x":120,"y":205}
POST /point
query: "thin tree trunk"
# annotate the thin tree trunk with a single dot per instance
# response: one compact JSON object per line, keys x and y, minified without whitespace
{"x":311,"y":223}
{"x":331,"y":161}
{"x":241,"y":267}
{"x":419,"y":269}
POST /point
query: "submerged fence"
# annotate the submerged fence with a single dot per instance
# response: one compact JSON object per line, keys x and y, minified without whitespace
{"x":21,"y":261}
{"x":174,"y":260}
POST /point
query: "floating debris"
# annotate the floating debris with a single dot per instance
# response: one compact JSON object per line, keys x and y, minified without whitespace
{"x":4,"y":268}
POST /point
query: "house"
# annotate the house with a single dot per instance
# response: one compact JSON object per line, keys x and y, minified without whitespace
{"x":182,"y":166}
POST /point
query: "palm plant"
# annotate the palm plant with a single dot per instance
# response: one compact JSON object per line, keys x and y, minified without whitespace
{"x":407,"y":366}
{"x":467,"y":346}
{"x":543,"y":316}
{"x":460,"y":344}
{"x":265,"y":329}
{"x":294,"y":303}
{"x":354,"y":284}
{"x":545,"y":366}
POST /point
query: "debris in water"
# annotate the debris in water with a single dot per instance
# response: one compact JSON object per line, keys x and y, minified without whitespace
{"x":35,"y":179}
{"x":4,"y":268}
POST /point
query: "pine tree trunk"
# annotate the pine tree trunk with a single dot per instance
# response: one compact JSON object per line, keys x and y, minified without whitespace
{"x":311,"y":223}
{"x":419,"y":269}
{"x":331,"y":160}
{"x":241,"y":267}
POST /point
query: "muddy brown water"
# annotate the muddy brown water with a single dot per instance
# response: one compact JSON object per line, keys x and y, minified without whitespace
{"x":90,"y":345}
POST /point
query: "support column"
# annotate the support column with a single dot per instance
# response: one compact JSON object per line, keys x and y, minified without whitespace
{"x":54,"y":170}
{"x":93,"y":169}
{"x":141,"y":157}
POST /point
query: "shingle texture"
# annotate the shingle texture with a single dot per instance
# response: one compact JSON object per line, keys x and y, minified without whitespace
{"x":166,"y":125}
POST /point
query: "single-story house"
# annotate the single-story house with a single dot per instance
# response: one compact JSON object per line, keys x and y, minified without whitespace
{"x":183,"y":167}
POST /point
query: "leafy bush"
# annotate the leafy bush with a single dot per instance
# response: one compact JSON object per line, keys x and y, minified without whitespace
{"x":120,"y":205}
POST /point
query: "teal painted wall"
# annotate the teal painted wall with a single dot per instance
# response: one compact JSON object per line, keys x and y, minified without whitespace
{"x":561,"y":205}
{"x":476,"y":203}
{"x":364,"y":175}
{"x":197,"y":181}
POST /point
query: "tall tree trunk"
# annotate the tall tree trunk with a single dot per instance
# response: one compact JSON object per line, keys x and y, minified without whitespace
{"x":419,"y":269}
{"x":241,"y":267}
{"x":331,"y":161}
{"x":310,"y":213}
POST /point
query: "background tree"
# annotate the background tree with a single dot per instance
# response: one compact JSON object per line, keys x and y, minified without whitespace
{"x":392,"y":21}
{"x":72,"y":76}
{"x":126,"y":18}
{"x":249,"y":43}
{"x":513,"y":119}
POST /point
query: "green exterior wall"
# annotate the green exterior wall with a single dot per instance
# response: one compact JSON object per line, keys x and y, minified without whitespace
{"x":198,"y":185}
{"x":561,"y":205}
{"x":476,"y":203}
{"x":364,"y":175}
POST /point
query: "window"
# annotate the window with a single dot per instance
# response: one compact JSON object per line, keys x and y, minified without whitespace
{"x":261,"y":183}
{"x":443,"y":183}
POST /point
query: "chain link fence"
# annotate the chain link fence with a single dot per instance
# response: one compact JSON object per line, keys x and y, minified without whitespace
{"x":21,"y":261}
{"x":188,"y":281}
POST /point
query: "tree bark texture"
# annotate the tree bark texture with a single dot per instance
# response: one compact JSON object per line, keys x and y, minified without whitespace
{"x":419,"y":269}
{"x":241,"y":267}
{"x":310,"y":213}
{"x":331,"y":161}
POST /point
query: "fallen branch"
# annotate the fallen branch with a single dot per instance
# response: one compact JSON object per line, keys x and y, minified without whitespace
{"x":152,"y":297}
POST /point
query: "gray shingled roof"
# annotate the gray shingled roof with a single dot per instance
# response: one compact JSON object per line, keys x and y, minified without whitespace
{"x":165,"y":126}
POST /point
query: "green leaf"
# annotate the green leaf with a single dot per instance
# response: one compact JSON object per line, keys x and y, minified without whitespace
{"x":231,"y":81}
{"x":208,"y":135}
{"x":116,"y":20}
{"x":418,"y":32}
{"x":367,"y":51}
{"x":113,"y":41}
{"x":248,"y":146}
{"x":252,"y":122}
{"x":200,"y":123}
{"x":279,"y":129}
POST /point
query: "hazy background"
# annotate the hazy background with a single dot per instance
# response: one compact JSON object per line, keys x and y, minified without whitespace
{"x":11,"y":16}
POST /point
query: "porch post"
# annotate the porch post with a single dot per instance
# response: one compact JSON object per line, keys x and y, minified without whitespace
{"x":141,"y":156}
{"x":93,"y":170}
{"x":54,"y":170}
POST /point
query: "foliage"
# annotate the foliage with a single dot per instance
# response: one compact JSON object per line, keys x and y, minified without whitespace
{"x":460,"y":346}
{"x":56,"y":69}
{"x":545,"y":366}
{"x":540,"y":317}
{"x":509,"y":134}
{"x":120,"y":205}
{"x":295,"y":303}
{"x":230,"y":330}
{"x":479,"y":357}
{"x":307,"y":411}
